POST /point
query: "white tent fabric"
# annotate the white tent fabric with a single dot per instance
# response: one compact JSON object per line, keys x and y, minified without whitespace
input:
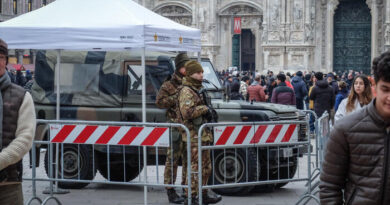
{"x":97,"y":25}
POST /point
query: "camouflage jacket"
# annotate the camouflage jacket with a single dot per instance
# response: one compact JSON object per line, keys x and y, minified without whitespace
{"x":167,"y":97}
{"x":191,"y":110}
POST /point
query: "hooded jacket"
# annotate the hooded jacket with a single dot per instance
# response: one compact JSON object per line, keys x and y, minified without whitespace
{"x":283,"y":95}
{"x":323,"y":97}
{"x":357,"y":161}
{"x":339,"y":97}
{"x":300,"y":88}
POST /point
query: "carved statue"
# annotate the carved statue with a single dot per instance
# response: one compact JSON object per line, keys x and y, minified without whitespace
{"x":387,"y":34}
{"x":309,"y":34}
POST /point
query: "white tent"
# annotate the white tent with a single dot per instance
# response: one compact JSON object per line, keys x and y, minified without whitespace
{"x":97,"y":24}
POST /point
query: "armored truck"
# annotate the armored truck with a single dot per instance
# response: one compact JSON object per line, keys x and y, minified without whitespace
{"x":106,"y":86}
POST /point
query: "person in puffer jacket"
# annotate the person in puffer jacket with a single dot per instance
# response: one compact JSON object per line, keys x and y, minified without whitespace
{"x":356,"y":169}
{"x":300,"y":89}
{"x":283,"y":94}
{"x":322,"y":95}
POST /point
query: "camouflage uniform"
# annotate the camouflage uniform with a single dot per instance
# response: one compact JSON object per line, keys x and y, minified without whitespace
{"x":167,"y":98}
{"x":192,"y":109}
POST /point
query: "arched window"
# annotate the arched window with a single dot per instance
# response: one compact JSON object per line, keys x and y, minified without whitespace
{"x":15,"y":6}
{"x":29,"y":5}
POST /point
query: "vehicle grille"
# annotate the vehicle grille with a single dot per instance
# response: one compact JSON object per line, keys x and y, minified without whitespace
{"x":293,"y":116}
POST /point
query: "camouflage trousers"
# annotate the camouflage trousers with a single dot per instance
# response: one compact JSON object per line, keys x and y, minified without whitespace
{"x":174,"y":154}
{"x":206,"y":167}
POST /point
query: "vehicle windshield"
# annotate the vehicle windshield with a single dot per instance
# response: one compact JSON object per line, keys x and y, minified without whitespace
{"x":209,"y":74}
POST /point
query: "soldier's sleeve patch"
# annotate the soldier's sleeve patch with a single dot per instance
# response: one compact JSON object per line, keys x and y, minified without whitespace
{"x":188,"y":102}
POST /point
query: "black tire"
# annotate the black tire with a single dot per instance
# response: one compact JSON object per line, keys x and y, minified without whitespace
{"x":71,"y":164}
{"x":236,"y":170}
{"x":284,"y":173}
{"x":133,"y":166}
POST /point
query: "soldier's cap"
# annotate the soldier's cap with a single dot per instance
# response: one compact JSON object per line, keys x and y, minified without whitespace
{"x":180,"y":60}
{"x":193,"y":67}
{"x":3,"y":47}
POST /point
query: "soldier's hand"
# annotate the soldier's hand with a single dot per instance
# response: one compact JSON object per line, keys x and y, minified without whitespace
{"x":209,"y":114}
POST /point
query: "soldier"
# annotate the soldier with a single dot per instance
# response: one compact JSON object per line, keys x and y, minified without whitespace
{"x":194,"y":113}
{"x":167,"y":98}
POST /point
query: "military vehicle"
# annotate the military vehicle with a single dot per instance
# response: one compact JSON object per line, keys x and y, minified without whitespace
{"x":106,"y":86}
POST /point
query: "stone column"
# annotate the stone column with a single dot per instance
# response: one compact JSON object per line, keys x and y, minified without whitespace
{"x":332,"y":5}
{"x":289,"y":12}
{"x":306,"y":60}
{"x":33,"y":54}
{"x":387,"y":11}
{"x":266,"y":62}
{"x":194,"y":14}
{"x":374,"y":29}
{"x":307,"y":11}
{"x":283,"y":12}
{"x":19,"y":54}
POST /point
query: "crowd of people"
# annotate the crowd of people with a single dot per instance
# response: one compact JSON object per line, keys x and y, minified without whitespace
{"x":336,"y":94}
{"x":22,"y":78}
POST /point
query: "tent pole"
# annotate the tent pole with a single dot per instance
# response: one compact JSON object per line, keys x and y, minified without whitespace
{"x":144,"y":120}
{"x":58,"y":75}
{"x":58,"y":84}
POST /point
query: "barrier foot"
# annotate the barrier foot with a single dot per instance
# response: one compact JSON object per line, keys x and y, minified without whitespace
{"x":314,"y":176}
{"x":51,"y":197}
{"x":34,"y":198}
{"x":58,"y":191}
{"x":309,"y":196}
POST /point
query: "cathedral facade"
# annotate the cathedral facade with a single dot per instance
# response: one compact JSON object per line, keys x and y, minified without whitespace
{"x":319,"y":35}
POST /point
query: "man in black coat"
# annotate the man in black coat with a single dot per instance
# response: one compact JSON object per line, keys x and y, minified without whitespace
{"x":322,"y":95}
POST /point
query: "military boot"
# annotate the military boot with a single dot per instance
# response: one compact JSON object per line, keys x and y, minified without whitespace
{"x":173,"y":197}
{"x":194,"y":201}
{"x":211,"y":198}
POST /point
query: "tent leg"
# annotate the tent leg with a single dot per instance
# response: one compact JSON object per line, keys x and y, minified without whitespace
{"x":144,"y":120}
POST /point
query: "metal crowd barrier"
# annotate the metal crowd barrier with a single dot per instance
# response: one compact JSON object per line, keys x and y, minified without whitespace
{"x":74,"y":140}
{"x":322,"y":132}
{"x":270,"y":153}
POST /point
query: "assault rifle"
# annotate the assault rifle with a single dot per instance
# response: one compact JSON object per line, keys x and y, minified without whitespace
{"x":211,"y":115}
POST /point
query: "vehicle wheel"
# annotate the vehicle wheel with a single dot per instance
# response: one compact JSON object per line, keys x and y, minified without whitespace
{"x":132,"y":165}
{"x":74,"y":167}
{"x":284,"y":173}
{"x":237,"y":171}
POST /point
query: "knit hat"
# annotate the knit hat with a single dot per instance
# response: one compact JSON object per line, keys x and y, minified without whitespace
{"x":3,"y":47}
{"x":180,"y":60}
{"x":193,"y":67}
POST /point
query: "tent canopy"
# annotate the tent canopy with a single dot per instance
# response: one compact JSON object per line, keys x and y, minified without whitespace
{"x":97,"y":25}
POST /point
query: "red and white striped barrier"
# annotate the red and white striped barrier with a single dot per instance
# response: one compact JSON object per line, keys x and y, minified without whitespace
{"x":258,"y":134}
{"x":112,"y":135}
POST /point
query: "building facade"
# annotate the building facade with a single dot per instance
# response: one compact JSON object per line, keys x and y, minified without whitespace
{"x":319,"y":35}
{"x":13,"y":8}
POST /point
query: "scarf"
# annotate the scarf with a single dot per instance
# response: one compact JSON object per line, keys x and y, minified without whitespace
{"x":5,"y":82}
{"x":192,"y":83}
